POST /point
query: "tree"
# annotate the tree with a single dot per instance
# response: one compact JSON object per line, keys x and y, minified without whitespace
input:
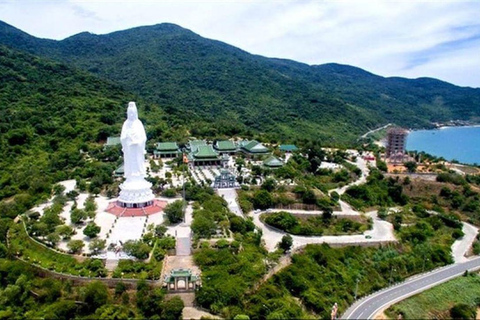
{"x":64,"y":231}
{"x":463,"y":311}
{"x":203,"y":226}
{"x":113,"y":311}
{"x":95,"y":295}
{"x":91,"y":230}
{"x":75,"y":246}
{"x":286,"y":243}
{"x":53,"y":238}
{"x":78,"y":216}
{"x":174,"y":211}
{"x":97,"y":245}
{"x":327,"y":214}
{"x":137,"y":248}
{"x":160,"y":230}
{"x":172,"y":309}
{"x":269,"y":185}
{"x":262,"y":200}
{"x":411,"y":166}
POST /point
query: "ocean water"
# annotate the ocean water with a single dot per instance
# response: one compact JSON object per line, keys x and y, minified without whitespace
{"x":451,"y":143}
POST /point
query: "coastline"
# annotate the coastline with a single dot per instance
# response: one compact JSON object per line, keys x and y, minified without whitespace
{"x":459,"y":145}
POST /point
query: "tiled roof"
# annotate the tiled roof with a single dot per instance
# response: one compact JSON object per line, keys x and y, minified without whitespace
{"x":205,"y":152}
{"x":113,"y":141}
{"x":273,"y":162}
{"x":255,"y":147}
{"x":166,"y":146}
{"x":225,"y":145}
{"x":288,"y":147}
{"x":194,"y":144}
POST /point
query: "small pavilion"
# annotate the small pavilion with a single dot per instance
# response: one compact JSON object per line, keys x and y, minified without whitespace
{"x":273,"y":163}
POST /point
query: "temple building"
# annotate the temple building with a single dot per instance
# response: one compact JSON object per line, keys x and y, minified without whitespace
{"x":396,"y":142}
{"x":253,"y":148}
{"x":204,"y":155}
{"x":288,"y":148}
{"x":273,"y":163}
{"x":166,"y":150}
{"x":112,"y":142}
{"x":226,"y":179}
{"x":225,"y":147}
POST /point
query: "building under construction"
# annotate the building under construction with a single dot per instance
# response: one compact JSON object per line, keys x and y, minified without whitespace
{"x":396,"y":142}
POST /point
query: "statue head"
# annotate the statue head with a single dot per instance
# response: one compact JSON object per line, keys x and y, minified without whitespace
{"x":132,"y":113}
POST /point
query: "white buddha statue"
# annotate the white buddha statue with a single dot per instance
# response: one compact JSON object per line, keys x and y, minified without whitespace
{"x":135,"y":191}
{"x":133,"y":140}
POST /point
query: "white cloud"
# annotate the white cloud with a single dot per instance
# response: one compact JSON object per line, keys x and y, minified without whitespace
{"x":390,"y":38}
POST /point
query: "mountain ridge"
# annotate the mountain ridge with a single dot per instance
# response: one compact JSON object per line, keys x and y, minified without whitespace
{"x":208,"y":82}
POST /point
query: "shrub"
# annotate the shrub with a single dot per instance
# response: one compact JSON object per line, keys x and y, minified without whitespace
{"x":75,"y":246}
{"x":463,"y":311}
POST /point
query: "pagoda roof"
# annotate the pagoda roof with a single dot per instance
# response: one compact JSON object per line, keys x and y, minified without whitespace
{"x":254,"y":147}
{"x":113,"y":141}
{"x":273,"y":162}
{"x":166,"y":146}
{"x":205,"y":151}
{"x":225,"y":145}
{"x":288,"y":147}
{"x":194,"y":144}
{"x":120,"y":170}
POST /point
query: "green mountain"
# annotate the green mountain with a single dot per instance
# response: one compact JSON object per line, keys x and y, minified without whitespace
{"x":49,"y":112}
{"x":215,"y":88}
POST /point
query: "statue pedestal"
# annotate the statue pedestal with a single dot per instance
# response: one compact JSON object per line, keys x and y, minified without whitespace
{"x":135,"y":192}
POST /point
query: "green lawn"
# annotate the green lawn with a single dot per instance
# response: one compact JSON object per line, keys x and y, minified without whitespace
{"x":436,"y":302}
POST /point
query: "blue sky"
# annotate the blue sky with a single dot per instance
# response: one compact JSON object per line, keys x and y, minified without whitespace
{"x":439,"y":39}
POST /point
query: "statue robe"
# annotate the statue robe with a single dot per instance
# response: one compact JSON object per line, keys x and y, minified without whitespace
{"x":133,"y":140}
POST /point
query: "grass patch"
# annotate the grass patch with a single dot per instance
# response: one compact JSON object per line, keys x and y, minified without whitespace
{"x":315,"y":225}
{"x":27,"y":249}
{"x":437,"y":302}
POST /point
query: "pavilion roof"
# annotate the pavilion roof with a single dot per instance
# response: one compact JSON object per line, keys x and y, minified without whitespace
{"x":166,"y":146}
{"x":288,"y":147}
{"x":194,"y":144}
{"x":205,"y":151}
{"x":273,"y":162}
{"x":254,"y":147}
{"x":225,"y":145}
{"x":113,"y":141}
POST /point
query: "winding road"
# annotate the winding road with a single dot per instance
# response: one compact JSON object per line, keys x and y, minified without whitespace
{"x":369,"y":306}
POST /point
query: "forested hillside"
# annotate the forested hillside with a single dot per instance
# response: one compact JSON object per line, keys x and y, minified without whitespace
{"x":48,"y":114}
{"x":217,"y":89}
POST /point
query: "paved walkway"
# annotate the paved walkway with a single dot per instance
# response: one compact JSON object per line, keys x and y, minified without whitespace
{"x":230,"y":195}
{"x":461,"y":246}
{"x":382,"y":231}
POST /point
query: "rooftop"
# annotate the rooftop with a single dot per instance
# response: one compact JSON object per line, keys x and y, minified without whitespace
{"x":225,"y":145}
{"x":288,"y":147}
{"x":273,"y":162}
{"x":254,"y":147}
{"x":205,"y":151}
{"x":166,"y":146}
{"x":113,"y":141}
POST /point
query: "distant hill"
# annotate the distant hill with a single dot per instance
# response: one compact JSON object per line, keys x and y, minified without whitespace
{"x":218,"y":89}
